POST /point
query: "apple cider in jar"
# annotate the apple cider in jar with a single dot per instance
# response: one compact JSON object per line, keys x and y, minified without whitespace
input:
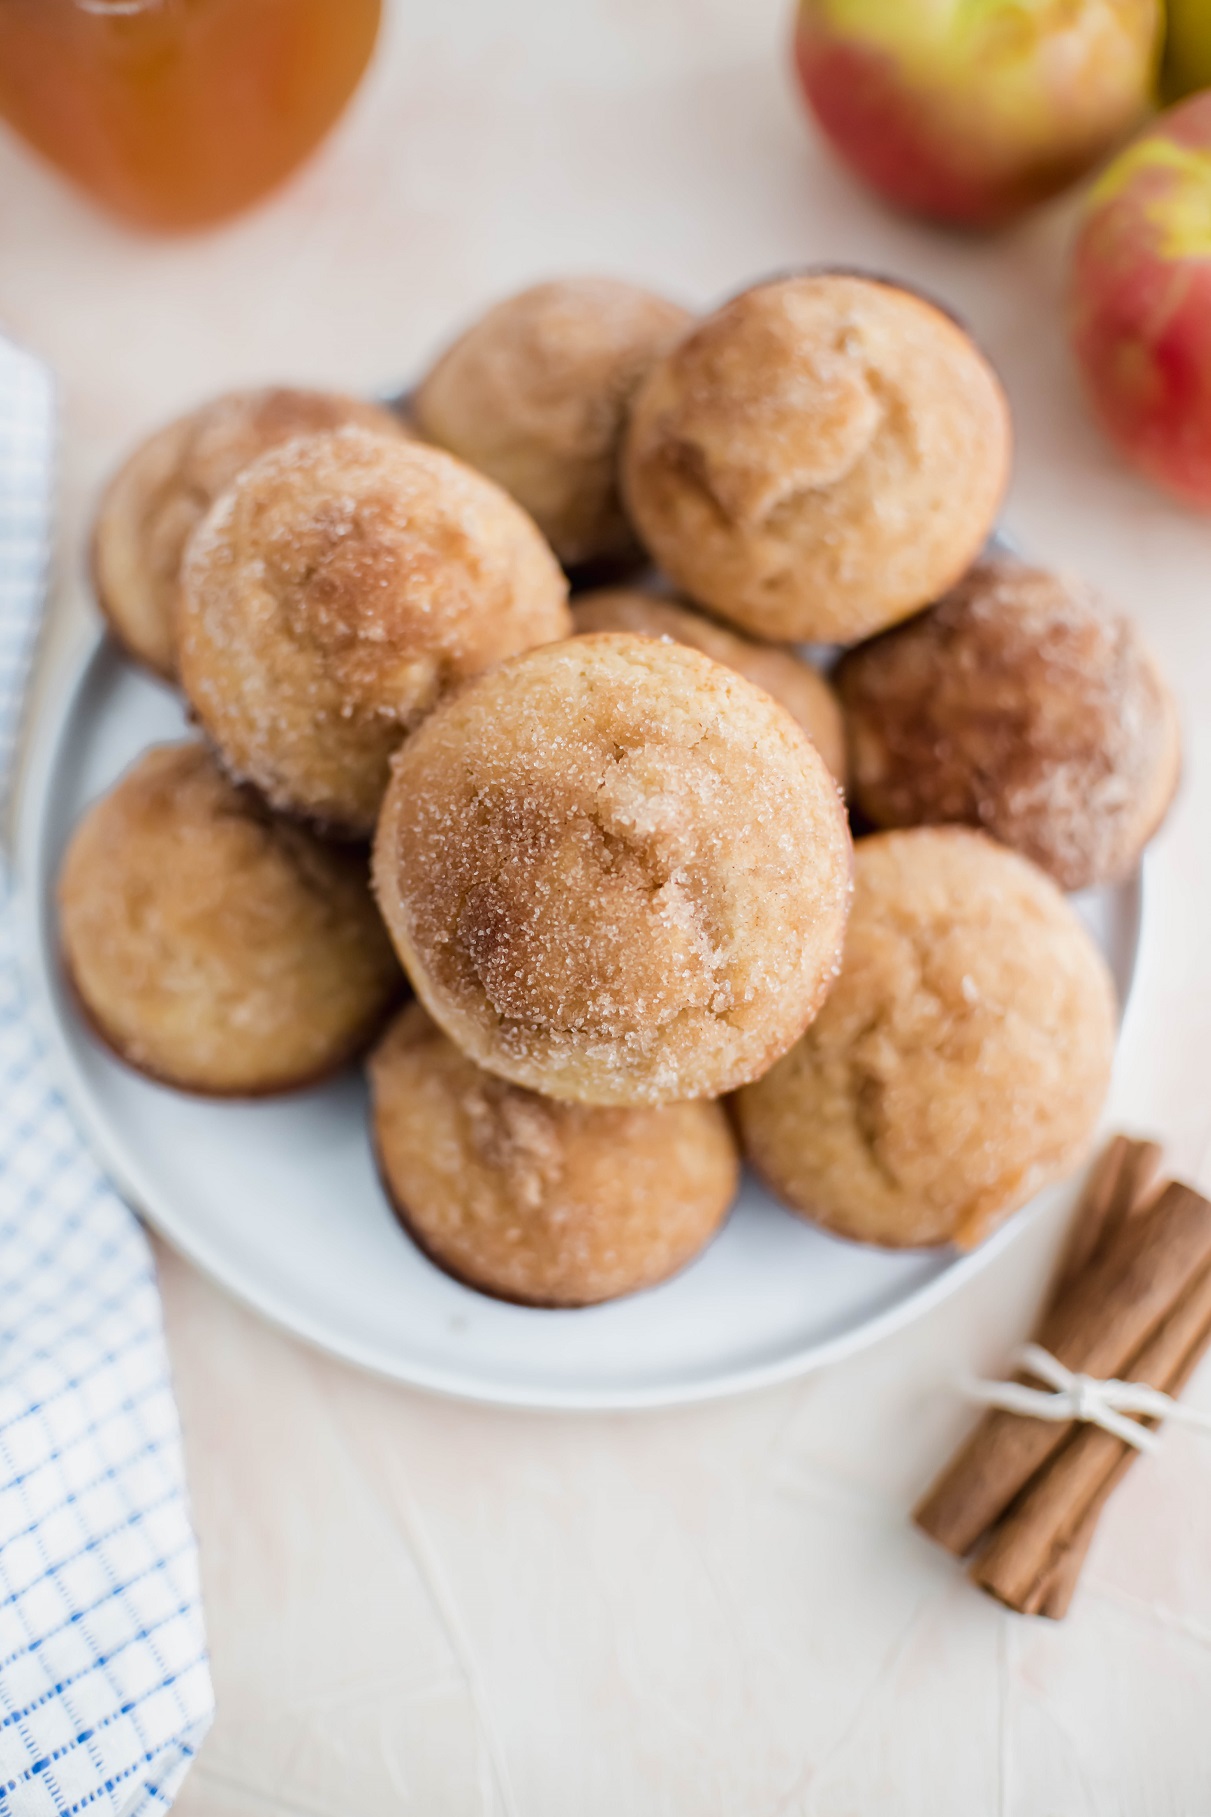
{"x":175,"y":113}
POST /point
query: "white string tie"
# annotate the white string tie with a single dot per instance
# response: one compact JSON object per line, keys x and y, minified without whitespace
{"x":1074,"y":1396}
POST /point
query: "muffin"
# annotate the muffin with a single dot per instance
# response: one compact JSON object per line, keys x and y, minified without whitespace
{"x":1017,"y":706}
{"x":160,"y":495}
{"x":213,"y":947}
{"x":960,"y":1063}
{"x":804,"y":692}
{"x":548,"y":1204}
{"x":535,"y":393}
{"x":334,"y":592}
{"x":818,"y":459}
{"x":615,"y":872}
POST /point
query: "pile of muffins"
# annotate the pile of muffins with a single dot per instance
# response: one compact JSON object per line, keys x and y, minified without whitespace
{"x":606,"y":843}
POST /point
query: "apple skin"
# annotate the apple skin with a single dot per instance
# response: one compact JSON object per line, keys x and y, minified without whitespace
{"x":970,"y":111}
{"x":1139,"y":300}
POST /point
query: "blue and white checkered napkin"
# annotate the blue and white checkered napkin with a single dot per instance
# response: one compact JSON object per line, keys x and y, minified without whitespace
{"x":104,"y":1686}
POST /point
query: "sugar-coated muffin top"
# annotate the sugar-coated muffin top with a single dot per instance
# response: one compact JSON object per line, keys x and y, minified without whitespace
{"x":820,"y":457}
{"x":212,"y":945}
{"x":1016,"y":705}
{"x":535,"y":394}
{"x":163,"y":490}
{"x":615,"y":872}
{"x":339,"y":587}
{"x":959,"y":1064}
{"x":781,"y":671}
{"x":552,"y":1204}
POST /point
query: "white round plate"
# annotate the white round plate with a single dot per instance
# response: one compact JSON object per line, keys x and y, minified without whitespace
{"x":279,"y":1201}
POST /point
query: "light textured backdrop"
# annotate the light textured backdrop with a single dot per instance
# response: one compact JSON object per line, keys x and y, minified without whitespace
{"x":425,"y":1608}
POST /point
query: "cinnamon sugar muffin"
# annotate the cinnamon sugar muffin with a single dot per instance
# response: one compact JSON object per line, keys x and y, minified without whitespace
{"x":549,"y":1204}
{"x":819,"y":458}
{"x":1017,"y":706}
{"x":535,"y":392}
{"x":161,"y":493}
{"x":802,"y":690}
{"x":334,"y":592}
{"x":961,"y":1061}
{"x":212,"y":946}
{"x":615,"y":872}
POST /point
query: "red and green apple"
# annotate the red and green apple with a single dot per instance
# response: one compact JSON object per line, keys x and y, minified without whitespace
{"x":969,"y":111}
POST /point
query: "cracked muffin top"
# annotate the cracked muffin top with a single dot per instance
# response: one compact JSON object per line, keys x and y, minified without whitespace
{"x":1018,"y":706}
{"x":615,"y":872}
{"x":819,"y":458}
{"x":161,"y":493}
{"x":960,"y":1062}
{"x":340,"y":586}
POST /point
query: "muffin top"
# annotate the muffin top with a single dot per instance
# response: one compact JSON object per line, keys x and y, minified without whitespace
{"x":214,"y":946}
{"x":162,"y":492}
{"x":1017,"y":705}
{"x":552,"y":1204}
{"x":783,"y":673}
{"x":960,"y":1062}
{"x":535,"y":394}
{"x":340,"y":586}
{"x":615,"y":871}
{"x":819,"y":458}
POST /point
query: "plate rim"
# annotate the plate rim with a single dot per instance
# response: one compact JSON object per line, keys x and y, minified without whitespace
{"x":60,"y":695}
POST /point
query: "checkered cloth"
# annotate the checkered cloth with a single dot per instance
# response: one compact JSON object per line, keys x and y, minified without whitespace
{"x":104,"y":1686}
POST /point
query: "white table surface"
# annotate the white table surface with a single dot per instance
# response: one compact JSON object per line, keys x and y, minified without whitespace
{"x":427,"y":1608}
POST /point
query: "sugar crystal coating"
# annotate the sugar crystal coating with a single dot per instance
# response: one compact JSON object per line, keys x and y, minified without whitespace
{"x":162,"y":491}
{"x":212,"y":945}
{"x":334,"y":593}
{"x":535,"y":394}
{"x":777,"y":668}
{"x":615,"y":872}
{"x":1017,"y":705}
{"x":817,"y":459}
{"x":548,"y":1203}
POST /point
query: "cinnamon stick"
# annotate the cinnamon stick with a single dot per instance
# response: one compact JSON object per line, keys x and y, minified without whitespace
{"x":1097,"y":1325}
{"x":1121,"y":1182}
{"x":1028,"y":1549}
{"x":1119,"y":1185}
{"x":1055,"y":1589}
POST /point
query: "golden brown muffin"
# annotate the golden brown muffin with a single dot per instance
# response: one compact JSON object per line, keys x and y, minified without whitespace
{"x":961,"y":1061}
{"x":535,"y":392}
{"x":160,"y":495}
{"x":549,"y":1204}
{"x":819,"y":458}
{"x":212,"y":946}
{"x":1017,"y":706}
{"x":802,"y":690}
{"x":615,"y":872}
{"x":334,"y":592}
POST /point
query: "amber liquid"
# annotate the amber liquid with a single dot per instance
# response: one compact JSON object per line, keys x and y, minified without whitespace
{"x":175,"y":113}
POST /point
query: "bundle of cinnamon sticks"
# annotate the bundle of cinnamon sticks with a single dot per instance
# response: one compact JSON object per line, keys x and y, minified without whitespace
{"x":1133,"y":1301}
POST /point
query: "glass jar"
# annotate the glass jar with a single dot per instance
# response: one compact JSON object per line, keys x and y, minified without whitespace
{"x":175,"y":113}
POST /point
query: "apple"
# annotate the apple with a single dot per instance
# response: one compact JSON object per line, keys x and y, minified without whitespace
{"x":969,"y":111}
{"x":1139,"y":300}
{"x":1187,"y":64}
